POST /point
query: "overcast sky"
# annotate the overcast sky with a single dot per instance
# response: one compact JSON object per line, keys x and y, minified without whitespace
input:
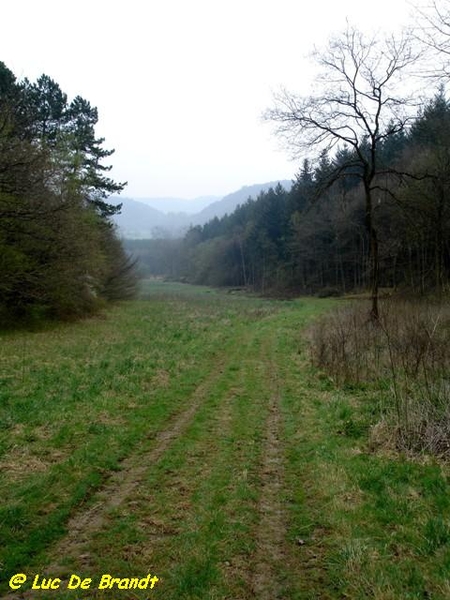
{"x":180,"y":85}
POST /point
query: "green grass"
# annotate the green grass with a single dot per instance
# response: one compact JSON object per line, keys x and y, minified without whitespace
{"x":79,"y":399}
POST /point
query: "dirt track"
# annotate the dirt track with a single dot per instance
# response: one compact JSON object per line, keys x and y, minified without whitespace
{"x":258,"y":571}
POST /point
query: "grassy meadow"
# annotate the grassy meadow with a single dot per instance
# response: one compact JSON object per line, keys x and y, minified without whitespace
{"x":187,"y":436}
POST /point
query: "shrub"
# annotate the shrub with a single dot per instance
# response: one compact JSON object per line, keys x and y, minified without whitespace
{"x":407,"y":352}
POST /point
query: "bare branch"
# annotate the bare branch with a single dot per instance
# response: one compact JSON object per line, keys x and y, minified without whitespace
{"x":356,"y":99}
{"x":356,"y":105}
{"x":433,"y":32}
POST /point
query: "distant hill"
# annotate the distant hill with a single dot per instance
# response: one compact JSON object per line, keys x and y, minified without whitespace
{"x":177,"y":205}
{"x":229,"y":203}
{"x":140,"y":219}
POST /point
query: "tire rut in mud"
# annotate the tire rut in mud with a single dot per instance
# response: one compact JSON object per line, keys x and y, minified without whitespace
{"x":270,"y":536}
{"x":119,"y":487}
{"x":123,"y":483}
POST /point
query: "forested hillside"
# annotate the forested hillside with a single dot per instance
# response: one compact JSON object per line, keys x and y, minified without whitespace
{"x":310,"y":239}
{"x":314,"y":238}
{"x":154,"y":218}
{"x":59,"y":253}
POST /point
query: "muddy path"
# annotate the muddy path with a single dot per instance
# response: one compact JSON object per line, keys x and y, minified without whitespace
{"x":271,"y":550}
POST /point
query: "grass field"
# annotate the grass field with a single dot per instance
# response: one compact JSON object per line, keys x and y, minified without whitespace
{"x":186,"y":437}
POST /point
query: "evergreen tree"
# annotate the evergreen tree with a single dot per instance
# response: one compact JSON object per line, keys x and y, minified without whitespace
{"x":59,"y":253}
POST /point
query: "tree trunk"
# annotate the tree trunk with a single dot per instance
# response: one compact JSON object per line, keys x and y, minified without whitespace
{"x":374,"y":255}
{"x":375,"y":274}
{"x":244,"y":270}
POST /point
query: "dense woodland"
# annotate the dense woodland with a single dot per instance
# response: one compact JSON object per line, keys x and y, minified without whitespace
{"x":60,"y":256}
{"x":370,"y":205}
{"x":313,"y":239}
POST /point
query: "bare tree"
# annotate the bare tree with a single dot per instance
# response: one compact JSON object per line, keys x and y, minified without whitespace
{"x":433,"y":30}
{"x":356,"y":106}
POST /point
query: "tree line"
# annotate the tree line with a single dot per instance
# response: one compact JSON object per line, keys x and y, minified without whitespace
{"x":60,"y":256}
{"x":314,"y":237}
{"x":369,"y":207}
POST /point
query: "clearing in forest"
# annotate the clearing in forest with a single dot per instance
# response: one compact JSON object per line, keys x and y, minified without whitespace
{"x":183,"y":447}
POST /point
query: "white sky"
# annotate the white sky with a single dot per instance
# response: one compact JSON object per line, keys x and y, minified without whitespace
{"x":180,"y":85}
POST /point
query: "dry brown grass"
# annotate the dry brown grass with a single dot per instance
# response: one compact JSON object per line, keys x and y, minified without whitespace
{"x":407,"y":352}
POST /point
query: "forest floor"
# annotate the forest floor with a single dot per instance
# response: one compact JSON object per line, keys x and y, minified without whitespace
{"x":182,"y":447}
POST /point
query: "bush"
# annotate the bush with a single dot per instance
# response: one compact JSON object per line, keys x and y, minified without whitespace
{"x":407,"y":352}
